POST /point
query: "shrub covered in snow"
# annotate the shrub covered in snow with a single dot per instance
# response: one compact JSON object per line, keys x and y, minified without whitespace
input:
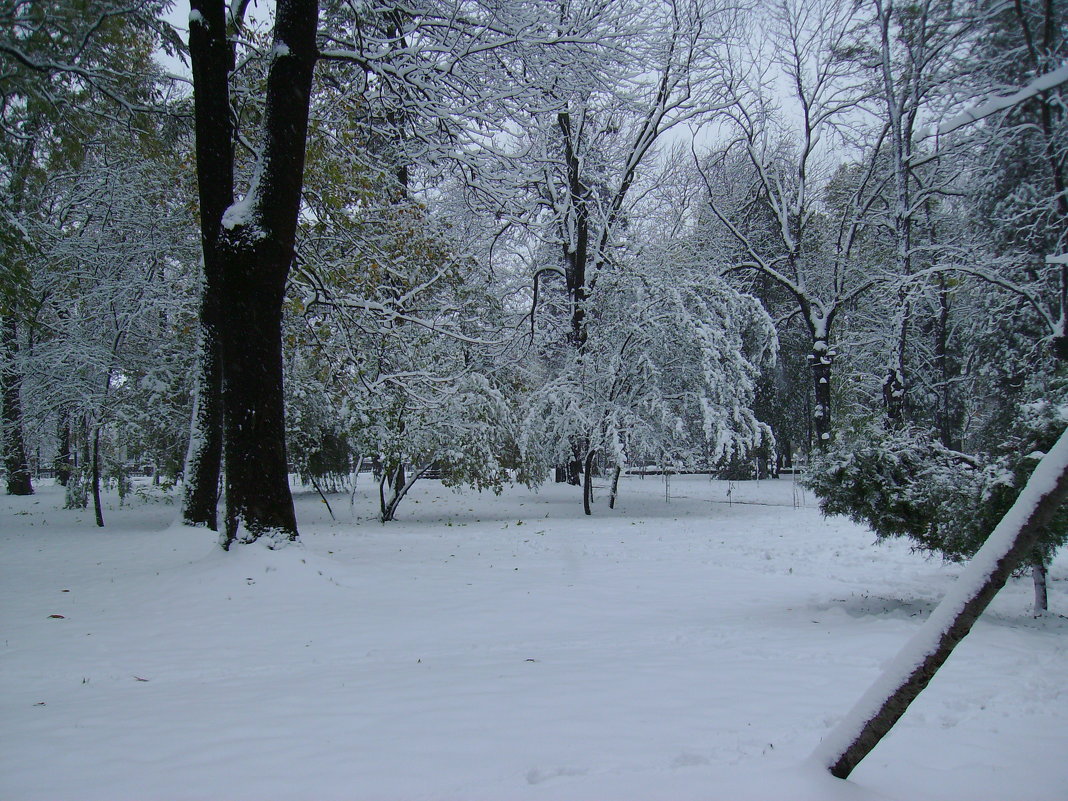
{"x":905,"y":483}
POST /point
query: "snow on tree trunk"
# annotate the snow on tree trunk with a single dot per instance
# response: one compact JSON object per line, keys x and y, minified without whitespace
{"x":615,"y":487}
{"x":1038,"y":577}
{"x":1012,"y":540}
{"x":15,"y":462}
{"x":820,"y":360}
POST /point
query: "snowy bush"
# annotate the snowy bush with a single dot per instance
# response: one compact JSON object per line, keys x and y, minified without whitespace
{"x":905,"y":483}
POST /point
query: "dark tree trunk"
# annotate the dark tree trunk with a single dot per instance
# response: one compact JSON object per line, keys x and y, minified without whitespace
{"x":203,"y":462}
{"x":64,"y":458}
{"x":894,"y":397}
{"x":1012,"y":541}
{"x":258,"y":499}
{"x":577,"y":246}
{"x":212,"y":60}
{"x":945,"y":416}
{"x":574,"y":472}
{"x":820,"y":360}
{"x":587,"y":484}
{"x":96,"y":478}
{"x":253,"y":241}
{"x":615,"y":487}
{"x":16,"y":464}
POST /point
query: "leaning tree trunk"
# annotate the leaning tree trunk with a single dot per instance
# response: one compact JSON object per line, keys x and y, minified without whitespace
{"x":16,"y":464}
{"x":1012,"y":541}
{"x":399,"y":487}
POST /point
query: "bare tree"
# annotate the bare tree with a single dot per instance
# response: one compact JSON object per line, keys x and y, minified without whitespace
{"x":807,"y":251}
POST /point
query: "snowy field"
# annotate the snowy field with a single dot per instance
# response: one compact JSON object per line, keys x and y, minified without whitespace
{"x":485,"y":648}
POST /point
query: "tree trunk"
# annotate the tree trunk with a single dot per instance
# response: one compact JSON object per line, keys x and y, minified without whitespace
{"x":254,"y":241}
{"x":820,"y":360}
{"x":1012,"y":540}
{"x":63,"y":461}
{"x":399,"y":488}
{"x":944,"y":416}
{"x":615,"y":487}
{"x":203,"y":461}
{"x":574,"y":472}
{"x":587,"y":484}
{"x":212,"y":59}
{"x":894,"y":397}
{"x":1038,"y":576}
{"x":96,"y":477}
{"x":16,"y":463}
{"x":258,"y":499}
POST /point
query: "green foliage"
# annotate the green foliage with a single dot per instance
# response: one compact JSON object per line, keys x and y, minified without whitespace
{"x":907,"y":484}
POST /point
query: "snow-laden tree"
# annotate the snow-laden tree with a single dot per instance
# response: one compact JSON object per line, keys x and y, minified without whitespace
{"x":68,"y":70}
{"x":593,"y":139}
{"x":113,"y":295}
{"x":789,"y":152}
{"x":668,"y":370}
{"x":1027,"y":37}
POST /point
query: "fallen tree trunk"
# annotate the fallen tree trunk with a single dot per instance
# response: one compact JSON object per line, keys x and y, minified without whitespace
{"x":1012,"y":541}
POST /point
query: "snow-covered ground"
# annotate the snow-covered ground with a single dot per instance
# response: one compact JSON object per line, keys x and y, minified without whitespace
{"x":504,"y":648}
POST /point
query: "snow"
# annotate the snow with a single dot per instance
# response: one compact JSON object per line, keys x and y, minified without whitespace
{"x":926,"y":639}
{"x":1040,"y":84}
{"x":504,"y":648}
{"x":196,"y":17}
{"x":244,"y":213}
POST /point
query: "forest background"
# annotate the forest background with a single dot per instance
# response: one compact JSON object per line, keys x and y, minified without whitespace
{"x":494,"y":242}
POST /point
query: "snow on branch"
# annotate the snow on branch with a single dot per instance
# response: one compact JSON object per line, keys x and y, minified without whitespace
{"x":1043,"y":83}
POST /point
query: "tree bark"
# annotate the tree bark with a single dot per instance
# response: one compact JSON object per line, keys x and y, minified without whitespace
{"x":574,"y":472}
{"x":894,"y":397}
{"x":97,"y":509}
{"x":820,"y":360}
{"x":203,"y":461}
{"x":63,"y":460}
{"x":1038,"y":577}
{"x":587,"y":484}
{"x":1012,"y":540}
{"x":16,"y":464}
{"x":253,"y":240}
{"x":212,"y":59}
{"x":258,"y":499}
{"x":399,"y":488}
{"x":615,"y":487}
